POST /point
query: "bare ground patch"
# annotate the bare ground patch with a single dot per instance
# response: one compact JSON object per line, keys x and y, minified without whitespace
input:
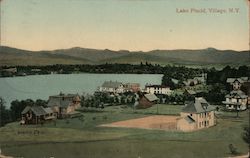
{"x":151,"y":122}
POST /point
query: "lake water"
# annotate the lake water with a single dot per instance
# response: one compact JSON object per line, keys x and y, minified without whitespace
{"x":42,"y":86}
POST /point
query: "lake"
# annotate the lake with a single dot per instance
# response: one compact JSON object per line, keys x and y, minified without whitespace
{"x":42,"y":86}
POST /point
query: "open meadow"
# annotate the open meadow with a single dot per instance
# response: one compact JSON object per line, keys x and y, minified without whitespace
{"x":83,"y":137}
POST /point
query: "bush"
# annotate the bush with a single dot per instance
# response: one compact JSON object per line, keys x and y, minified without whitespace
{"x":232,"y":149}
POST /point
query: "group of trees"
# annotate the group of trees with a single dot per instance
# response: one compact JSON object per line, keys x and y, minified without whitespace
{"x":5,"y":116}
{"x":178,"y":72}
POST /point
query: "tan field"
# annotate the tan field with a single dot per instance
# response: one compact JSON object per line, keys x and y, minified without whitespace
{"x":150,"y":122}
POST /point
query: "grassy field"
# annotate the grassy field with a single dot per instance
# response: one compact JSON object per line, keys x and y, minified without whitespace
{"x":82,"y":138}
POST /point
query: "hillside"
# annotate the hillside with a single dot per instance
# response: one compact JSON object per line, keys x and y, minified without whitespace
{"x":77,"y":55}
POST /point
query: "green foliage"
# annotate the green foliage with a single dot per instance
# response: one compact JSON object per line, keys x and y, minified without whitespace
{"x":216,"y":94}
{"x":246,"y":135}
{"x":215,"y":76}
{"x":4,"y":113}
{"x":232,"y":149}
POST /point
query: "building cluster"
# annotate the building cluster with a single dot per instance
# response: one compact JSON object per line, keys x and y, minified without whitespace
{"x":118,"y":87}
{"x":58,"y":107}
{"x":196,"y":80}
{"x":144,"y":98}
{"x":195,"y":115}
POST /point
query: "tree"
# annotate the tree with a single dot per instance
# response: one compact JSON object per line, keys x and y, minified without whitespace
{"x":4,"y":113}
{"x":40,"y":102}
{"x":167,"y":81}
{"x":232,"y":149}
{"x":246,"y":135}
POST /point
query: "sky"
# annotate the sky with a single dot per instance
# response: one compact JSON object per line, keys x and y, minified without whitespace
{"x":135,"y":25}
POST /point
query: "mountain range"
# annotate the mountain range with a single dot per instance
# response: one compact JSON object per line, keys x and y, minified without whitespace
{"x":77,"y":55}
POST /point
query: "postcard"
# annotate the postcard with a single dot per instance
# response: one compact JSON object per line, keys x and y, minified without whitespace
{"x":124,"y":78}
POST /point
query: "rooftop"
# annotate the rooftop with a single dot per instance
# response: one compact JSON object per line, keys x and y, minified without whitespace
{"x":157,"y":86}
{"x":236,"y":94}
{"x":200,"y":105}
{"x":231,"y":80}
{"x":111,"y":84}
{"x":151,"y":97}
{"x":37,"y":110}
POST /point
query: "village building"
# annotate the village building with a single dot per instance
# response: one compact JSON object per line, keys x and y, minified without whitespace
{"x":132,"y":87}
{"x":112,"y":87}
{"x":247,"y":86}
{"x":190,"y":82}
{"x":11,"y":70}
{"x":36,"y":115}
{"x":236,"y":99}
{"x":202,"y":79}
{"x":196,"y":115}
{"x":147,"y":100}
{"x":64,"y":104}
{"x":36,"y":70}
{"x":158,"y":89}
{"x":8,"y":72}
{"x":196,"y":80}
{"x":235,"y":82}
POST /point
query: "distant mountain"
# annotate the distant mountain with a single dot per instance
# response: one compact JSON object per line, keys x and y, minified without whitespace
{"x":77,"y":55}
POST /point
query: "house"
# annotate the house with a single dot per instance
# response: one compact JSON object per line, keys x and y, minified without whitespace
{"x":196,"y":115}
{"x":64,"y":104}
{"x":190,"y":82}
{"x":196,"y":80}
{"x":36,"y":115}
{"x":8,"y":71}
{"x":157,"y":89}
{"x":12,"y":70}
{"x":202,"y":78}
{"x":247,"y":85}
{"x":235,"y":82}
{"x":236,"y":99}
{"x":147,"y":100}
{"x":132,"y":87}
{"x":112,"y":87}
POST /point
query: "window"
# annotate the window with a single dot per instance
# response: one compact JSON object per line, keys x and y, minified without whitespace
{"x":191,"y":114}
{"x":200,"y":124}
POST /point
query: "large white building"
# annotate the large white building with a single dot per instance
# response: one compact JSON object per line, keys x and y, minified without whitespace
{"x":158,"y":89}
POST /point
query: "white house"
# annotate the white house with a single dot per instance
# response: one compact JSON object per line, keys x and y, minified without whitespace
{"x":158,"y":89}
{"x":236,"y":99}
{"x":112,"y":87}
